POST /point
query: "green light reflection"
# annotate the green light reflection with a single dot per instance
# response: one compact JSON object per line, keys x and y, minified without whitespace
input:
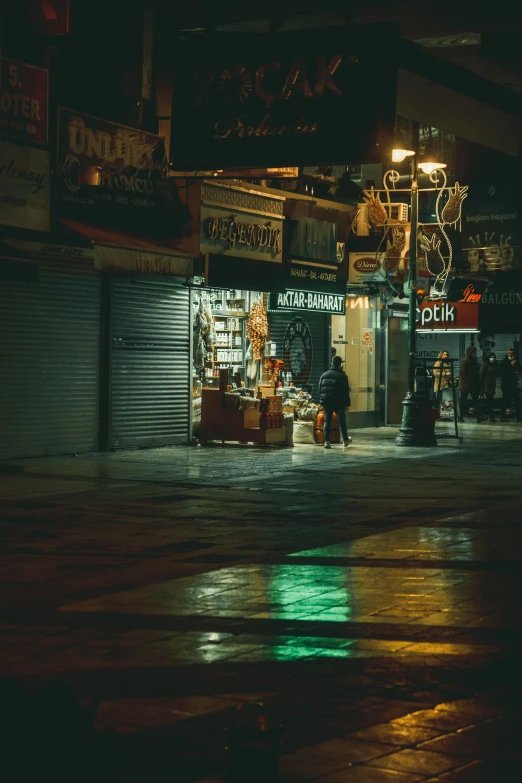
{"x":313,"y":592}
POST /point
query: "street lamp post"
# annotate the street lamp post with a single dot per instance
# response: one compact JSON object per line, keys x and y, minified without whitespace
{"x":412,"y":432}
{"x":410,"y":412}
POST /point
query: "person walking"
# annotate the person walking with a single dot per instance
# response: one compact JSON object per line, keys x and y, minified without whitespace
{"x":489,"y":373}
{"x":442,"y":383}
{"x":469,"y":381}
{"x":510,"y":372}
{"x":334,"y":396}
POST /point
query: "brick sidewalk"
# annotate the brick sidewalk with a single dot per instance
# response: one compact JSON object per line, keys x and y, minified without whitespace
{"x":368,"y":596}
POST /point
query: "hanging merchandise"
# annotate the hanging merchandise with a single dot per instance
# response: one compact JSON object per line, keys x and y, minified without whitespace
{"x":251,"y":364}
{"x":257,"y":328}
{"x":199,"y":328}
{"x":210,"y":332}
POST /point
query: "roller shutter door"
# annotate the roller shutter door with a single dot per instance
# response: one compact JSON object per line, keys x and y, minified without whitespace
{"x":150,"y":358}
{"x":49,"y":360}
{"x":318,"y":325}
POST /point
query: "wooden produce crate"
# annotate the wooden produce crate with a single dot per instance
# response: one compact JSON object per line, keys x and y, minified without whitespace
{"x":218,"y":423}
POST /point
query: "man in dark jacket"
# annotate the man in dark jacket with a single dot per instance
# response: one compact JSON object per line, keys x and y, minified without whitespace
{"x":489,"y":373}
{"x":334,"y":395}
{"x":469,"y":381}
{"x":509,"y":372}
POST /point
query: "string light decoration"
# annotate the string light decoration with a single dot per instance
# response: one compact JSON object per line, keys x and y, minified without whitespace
{"x":376,"y":212}
{"x":453,"y":207}
{"x":434,"y":259}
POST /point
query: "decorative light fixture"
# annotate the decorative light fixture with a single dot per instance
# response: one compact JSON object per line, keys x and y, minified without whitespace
{"x":430,"y":162}
{"x":399,"y":154}
{"x":428,"y":166}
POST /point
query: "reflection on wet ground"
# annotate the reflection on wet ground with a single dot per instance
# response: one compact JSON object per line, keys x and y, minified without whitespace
{"x":370,"y":598}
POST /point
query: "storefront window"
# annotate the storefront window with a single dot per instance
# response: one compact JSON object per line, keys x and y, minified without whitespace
{"x":354,"y":338}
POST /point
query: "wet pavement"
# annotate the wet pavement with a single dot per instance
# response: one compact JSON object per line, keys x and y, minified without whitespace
{"x":369,"y":597}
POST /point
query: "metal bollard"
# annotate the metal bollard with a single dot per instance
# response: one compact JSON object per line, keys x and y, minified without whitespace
{"x":252,"y":746}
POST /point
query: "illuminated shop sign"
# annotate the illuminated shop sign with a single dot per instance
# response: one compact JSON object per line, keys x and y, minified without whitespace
{"x":449,"y":316}
{"x":278,"y":100}
{"x":308,"y":300}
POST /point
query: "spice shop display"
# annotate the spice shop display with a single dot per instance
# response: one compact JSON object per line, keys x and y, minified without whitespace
{"x":257,"y":328}
{"x":226,"y":416}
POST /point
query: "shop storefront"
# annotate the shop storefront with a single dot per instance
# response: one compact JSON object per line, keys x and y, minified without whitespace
{"x":355,"y":337}
{"x":50,"y":294}
{"x":50,"y":304}
{"x":275,"y":274}
{"x":114,"y":194}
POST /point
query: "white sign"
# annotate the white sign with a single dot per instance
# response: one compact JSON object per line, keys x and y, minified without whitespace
{"x":366,"y":267}
{"x":308,"y":300}
{"x":367,"y":338}
{"x":444,"y":313}
{"x":25,"y":187}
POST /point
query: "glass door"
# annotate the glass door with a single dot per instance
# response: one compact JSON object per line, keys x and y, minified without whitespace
{"x":397,"y":368}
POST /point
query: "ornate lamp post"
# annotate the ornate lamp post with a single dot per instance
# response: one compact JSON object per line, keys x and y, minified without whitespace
{"x":411,"y":432}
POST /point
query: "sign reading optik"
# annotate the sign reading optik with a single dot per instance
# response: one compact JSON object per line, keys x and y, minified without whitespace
{"x":448,"y":316}
{"x":307,"y":300}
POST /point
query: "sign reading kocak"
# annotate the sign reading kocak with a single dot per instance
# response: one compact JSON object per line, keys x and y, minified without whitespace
{"x":284,"y":99}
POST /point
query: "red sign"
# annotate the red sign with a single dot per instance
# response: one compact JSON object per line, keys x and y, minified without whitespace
{"x":23,"y":101}
{"x":51,"y":17}
{"x":448,"y":316}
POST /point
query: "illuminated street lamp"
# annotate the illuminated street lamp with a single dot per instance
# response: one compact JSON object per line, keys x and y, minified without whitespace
{"x":412,"y":432}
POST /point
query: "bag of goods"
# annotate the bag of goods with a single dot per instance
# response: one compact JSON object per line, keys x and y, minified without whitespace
{"x":307,"y":411}
{"x":231,"y":401}
{"x":246,"y":403}
{"x":304,"y":432}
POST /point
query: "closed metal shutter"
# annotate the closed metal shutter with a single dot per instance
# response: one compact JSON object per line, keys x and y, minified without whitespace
{"x":150,"y":329}
{"x":430,"y":344}
{"x":49,"y":362}
{"x":318,"y":326}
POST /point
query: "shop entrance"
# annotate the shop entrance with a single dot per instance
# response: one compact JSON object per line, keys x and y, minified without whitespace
{"x":396,"y":367}
{"x":149,"y":362}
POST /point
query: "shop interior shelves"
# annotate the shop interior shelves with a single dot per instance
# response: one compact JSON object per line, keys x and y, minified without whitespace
{"x":219,"y":423}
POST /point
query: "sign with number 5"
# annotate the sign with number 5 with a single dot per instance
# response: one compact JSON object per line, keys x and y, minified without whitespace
{"x":23,"y":101}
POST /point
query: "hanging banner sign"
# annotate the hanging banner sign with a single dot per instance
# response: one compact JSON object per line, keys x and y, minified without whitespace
{"x":23,"y":101}
{"x":108,"y":173}
{"x":491,"y":234}
{"x":245,"y":100}
{"x":308,"y":300}
{"x":25,"y":187}
{"x":460,"y":316}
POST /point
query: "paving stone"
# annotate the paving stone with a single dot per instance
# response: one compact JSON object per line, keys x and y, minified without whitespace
{"x":376,"y":615}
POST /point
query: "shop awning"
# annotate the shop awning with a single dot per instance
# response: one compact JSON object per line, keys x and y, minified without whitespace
{"x":118,"y":251}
